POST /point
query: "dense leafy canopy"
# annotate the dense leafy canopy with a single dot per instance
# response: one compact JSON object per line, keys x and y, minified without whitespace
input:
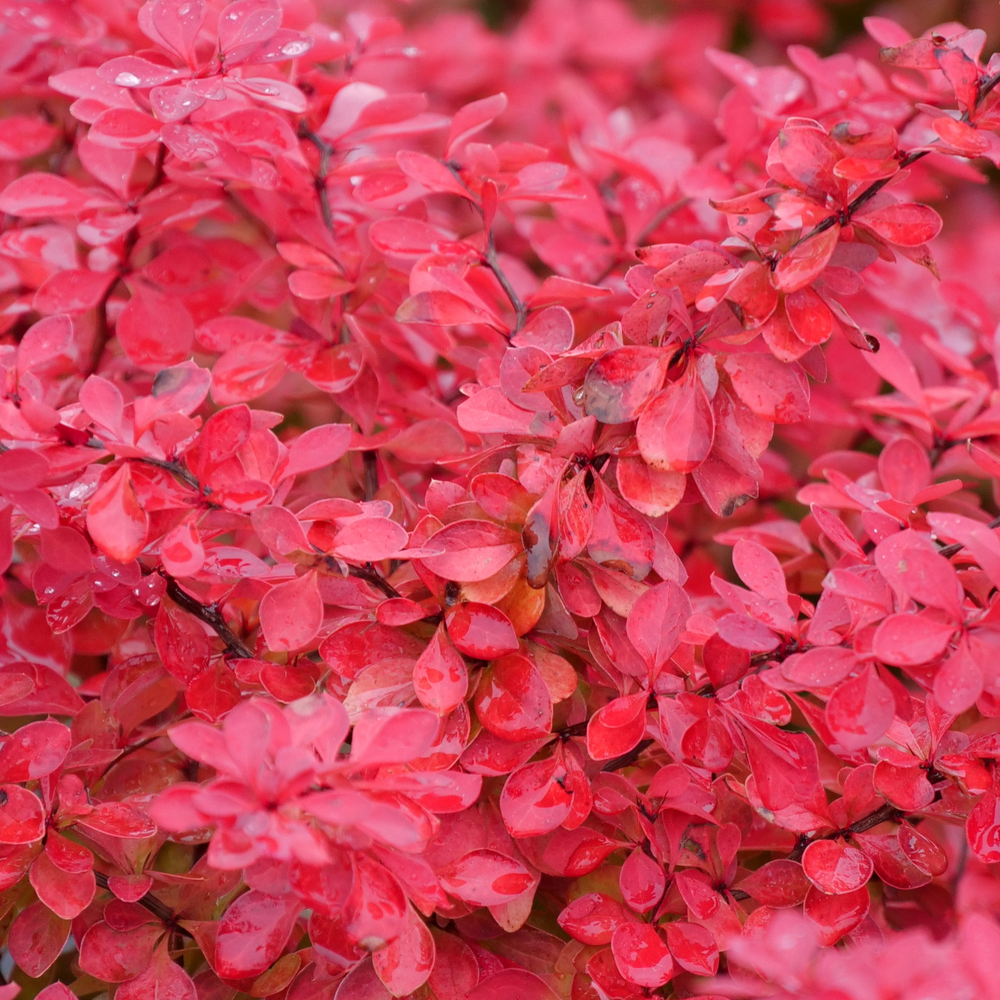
{"x":496,"y":516}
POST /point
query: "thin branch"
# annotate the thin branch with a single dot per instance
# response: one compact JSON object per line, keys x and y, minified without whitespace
{"x":627,"y":759}
{"x":325,"y":153}
{"x":862,"y":199}
{"x":985,"y":87}
{"x":986,"y":84}
{"x":520,"y":309}
{"x":883,"y":814}
{"x":370,"y":462}
{"x":149,"y":902}
{"x":176,"y":468}
{"x":660,"y":217}
{"x":369,"y":574}
{"x":490,"y":259}
{"x":949,"y":550}
{"x":211,"y":616}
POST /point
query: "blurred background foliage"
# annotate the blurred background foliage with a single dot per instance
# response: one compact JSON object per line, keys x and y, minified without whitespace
{"x":826,"y":25}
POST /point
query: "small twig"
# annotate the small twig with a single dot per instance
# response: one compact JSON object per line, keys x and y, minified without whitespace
{"x":627,"y":758}
{"x":176,"y":468}
{"x":949,"y":550}
{"x":369,"y":574}
{"x":211,"y":617}
{"x":883,"y":814}
{"x":660,"y":217}
{"x":520,"y":309}
{"x":985,"y":87}
{"x":370,"y":462}
{"x":325,"y":153}
{"x":986,"y":84}
{"x":155,"y":906}
{"x":862,"y":199}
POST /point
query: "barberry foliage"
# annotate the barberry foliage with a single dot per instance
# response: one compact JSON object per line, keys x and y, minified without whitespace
{"x":496,"y":515}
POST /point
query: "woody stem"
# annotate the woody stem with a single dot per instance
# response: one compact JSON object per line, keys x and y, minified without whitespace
{"x":211,"y":616}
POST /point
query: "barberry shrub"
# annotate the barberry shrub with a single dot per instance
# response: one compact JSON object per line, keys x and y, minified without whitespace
{"x":496,"y":515}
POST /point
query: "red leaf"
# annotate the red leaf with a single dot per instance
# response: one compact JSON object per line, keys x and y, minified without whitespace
{"x":162,"y":979}
{"x":805,"y":261}
{"x":386,"y":736}
{"x":480,"y":631}
{"x":785,"y":765}
{"x":36,"y":938}
{"x":655,"y":623}
{"x":592,"y":918}
{"x":369,"y":539}
{"x":534,"y":801}
{"x":693,"y":947}
{"x":115,"y":519}
{"x":41,"y":196}
{"x":440,"y":678}
{"x":72,"y":291}
{"x":456,"y":970}
{"x":467,"y":121}
{"x":982,"y":827}
{"x":119,"y":819}
{"x":860,"y":710}
{"x":836,"y":916}
{"x":67,"y":894}
{"x":923,"y":852}
{"x":903,"y":225}
{"x":431,"y":173}
{"x":958,"y":682}
{"x":776,"y":883}
{"x":317,"y":448}
{"x":676,"y":430}
{"x":215,"y":692}
{"x":835,"y":867}
{"x":22,"y":818}
{"x":115,"y":956}
{"x":155,"y":330}
{"x":181,"y":550}
{"x":292,"y":612}
{"x":908,"y":640}
{"x":620,"y":382}
{"x":773,"y":390}
{"x":445,"y":309}
{"x":34,"y":750}
{"x":247,"y":371}
{"x":512,"y":700}
{"x":641,"y":955}
{"x":404,"y":964}
{"x":411,"y":237}
{"x":823,"y":666}
{"x":905,"y":787}
{"x":245,"y":25}
{"x":252,"y":933}
{"x":486,"y":878}
{"x":473,"y":550}
{"x":617,"y":727}
{"x":642,"y":881}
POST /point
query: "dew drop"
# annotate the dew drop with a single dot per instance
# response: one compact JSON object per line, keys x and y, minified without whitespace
{"x":294,"y":48}
{"x":578,"y":396}
{"x":127,"y":80}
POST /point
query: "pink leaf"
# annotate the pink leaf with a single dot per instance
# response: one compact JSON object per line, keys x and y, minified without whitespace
{"x":292,"y":612}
